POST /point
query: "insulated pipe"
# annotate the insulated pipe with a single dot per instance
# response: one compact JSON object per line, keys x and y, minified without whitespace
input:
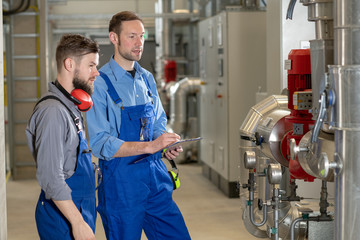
{"x":347,"y":32}
{"x":346,"y":75}
{"x":306,"y":218}
{"x":178,"y":107}
{"x":260,"y":110}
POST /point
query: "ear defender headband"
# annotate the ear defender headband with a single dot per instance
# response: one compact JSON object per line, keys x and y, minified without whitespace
{"x":174,"y":176}
{"x":78,"y":96}
{"x":175,"y":179}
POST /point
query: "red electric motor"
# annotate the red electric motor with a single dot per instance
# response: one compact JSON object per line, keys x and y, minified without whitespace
{"x":170,"y":71}
{"x":299,"y":102}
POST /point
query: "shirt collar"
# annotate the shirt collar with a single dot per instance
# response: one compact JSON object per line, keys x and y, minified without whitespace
{"x":55,"y":91}
{"x":119,"y":71}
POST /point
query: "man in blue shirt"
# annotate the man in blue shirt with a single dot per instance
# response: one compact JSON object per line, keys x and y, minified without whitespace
{"x":127,"y":131}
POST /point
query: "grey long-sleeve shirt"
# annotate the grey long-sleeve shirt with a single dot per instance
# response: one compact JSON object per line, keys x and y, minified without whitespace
{"x":53,"y":140}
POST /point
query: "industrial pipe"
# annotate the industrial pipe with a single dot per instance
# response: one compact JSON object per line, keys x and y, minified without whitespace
{"x":178,"y":107}
{"x":292,"y":226}
{"x":305,"y":217}
{"x":275,"y":203}
{"x":346,"y":74}
{"x":251,"y":188}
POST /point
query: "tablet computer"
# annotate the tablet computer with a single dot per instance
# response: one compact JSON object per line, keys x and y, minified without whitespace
{"x":183,"y":143}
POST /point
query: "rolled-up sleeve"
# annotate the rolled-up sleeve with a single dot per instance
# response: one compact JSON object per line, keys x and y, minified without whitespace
{"x":103,"y":123}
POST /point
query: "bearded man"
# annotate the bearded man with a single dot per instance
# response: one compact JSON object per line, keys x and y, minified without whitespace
{"x":56,"y":138}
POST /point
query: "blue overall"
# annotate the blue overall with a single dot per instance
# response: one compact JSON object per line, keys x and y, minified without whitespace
{"x":51,"y":223}
{"x":136,"y":192}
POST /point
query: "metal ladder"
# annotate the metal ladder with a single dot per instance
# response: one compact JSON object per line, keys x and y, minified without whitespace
{"x":23,"y":86}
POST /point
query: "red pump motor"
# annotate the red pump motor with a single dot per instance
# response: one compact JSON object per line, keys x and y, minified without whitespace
{"x":299,"y":102}
{"x":170,"y":71}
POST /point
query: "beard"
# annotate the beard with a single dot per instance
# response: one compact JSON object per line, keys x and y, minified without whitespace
{"x":82,"y":84}
{"x":128,"y":56}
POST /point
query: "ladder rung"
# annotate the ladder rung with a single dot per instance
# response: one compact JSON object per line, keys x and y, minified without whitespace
{"x":26,"y":100}
{"x":25,"y":164}
{"x":26,"y":57}
{"x":25,"y":35}
{"x":27,"y":14}
{"x":21,"y":122}
{"x":26,"y":78}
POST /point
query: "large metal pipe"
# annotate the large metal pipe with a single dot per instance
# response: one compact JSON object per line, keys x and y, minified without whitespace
{"x":347,"y":32}
{"x":178,"y":103}
{"x":347,"y":136}
{"x":267,"y":119}
{"x":346,"y":77}
{"x":260,"y":110}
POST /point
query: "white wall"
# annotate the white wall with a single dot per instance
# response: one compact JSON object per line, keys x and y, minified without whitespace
{"x":283,"y":35}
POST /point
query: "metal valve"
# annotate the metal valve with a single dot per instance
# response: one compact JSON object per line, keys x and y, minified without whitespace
{"x":295,"y":149}
{"x":325,"y":165}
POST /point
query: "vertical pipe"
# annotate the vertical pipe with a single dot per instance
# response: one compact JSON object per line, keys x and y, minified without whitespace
{"x":3,"y":217}
{"x":263,"y":185}
{"x":276,"y":212}
{"x":178,"y":103}
{"x":44,"y":46}
{"x":167,"y":7}
{"x":347,"y":32}
{"x":347,"y":205}
{"x":346,"y":75}
{"x":213,"y":7}
{"x":292,"y":227}
{"x":192,"y":52}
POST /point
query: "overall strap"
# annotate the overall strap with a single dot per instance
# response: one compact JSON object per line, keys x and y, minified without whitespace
{"x":147,"y":84}
{"x":75,"y":118}
{"x":111,"y":90}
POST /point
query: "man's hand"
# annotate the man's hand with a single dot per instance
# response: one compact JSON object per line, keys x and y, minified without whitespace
{"x":82,"y":231}
{"x":172,"y":154}
{"x":165,"y":140}
{"x":137,"y":148}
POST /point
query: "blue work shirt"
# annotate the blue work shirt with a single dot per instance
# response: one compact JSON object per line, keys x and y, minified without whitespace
{"x":104,"y":118}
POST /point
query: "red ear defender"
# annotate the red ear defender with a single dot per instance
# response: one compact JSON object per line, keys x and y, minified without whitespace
{"x":84,"y":98}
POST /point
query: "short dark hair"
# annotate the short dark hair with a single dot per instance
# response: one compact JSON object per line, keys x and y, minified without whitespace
{"x":74,"y":46}
{"x":117,"y":19}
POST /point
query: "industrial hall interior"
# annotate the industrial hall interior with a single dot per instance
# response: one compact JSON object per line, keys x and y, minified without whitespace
{"x":261,"y":95}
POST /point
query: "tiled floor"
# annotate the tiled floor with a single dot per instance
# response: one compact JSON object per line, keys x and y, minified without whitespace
{"x":208,"y":213}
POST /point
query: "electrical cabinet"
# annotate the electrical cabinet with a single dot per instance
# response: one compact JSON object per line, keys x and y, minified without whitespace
{"x":233,"y":68}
